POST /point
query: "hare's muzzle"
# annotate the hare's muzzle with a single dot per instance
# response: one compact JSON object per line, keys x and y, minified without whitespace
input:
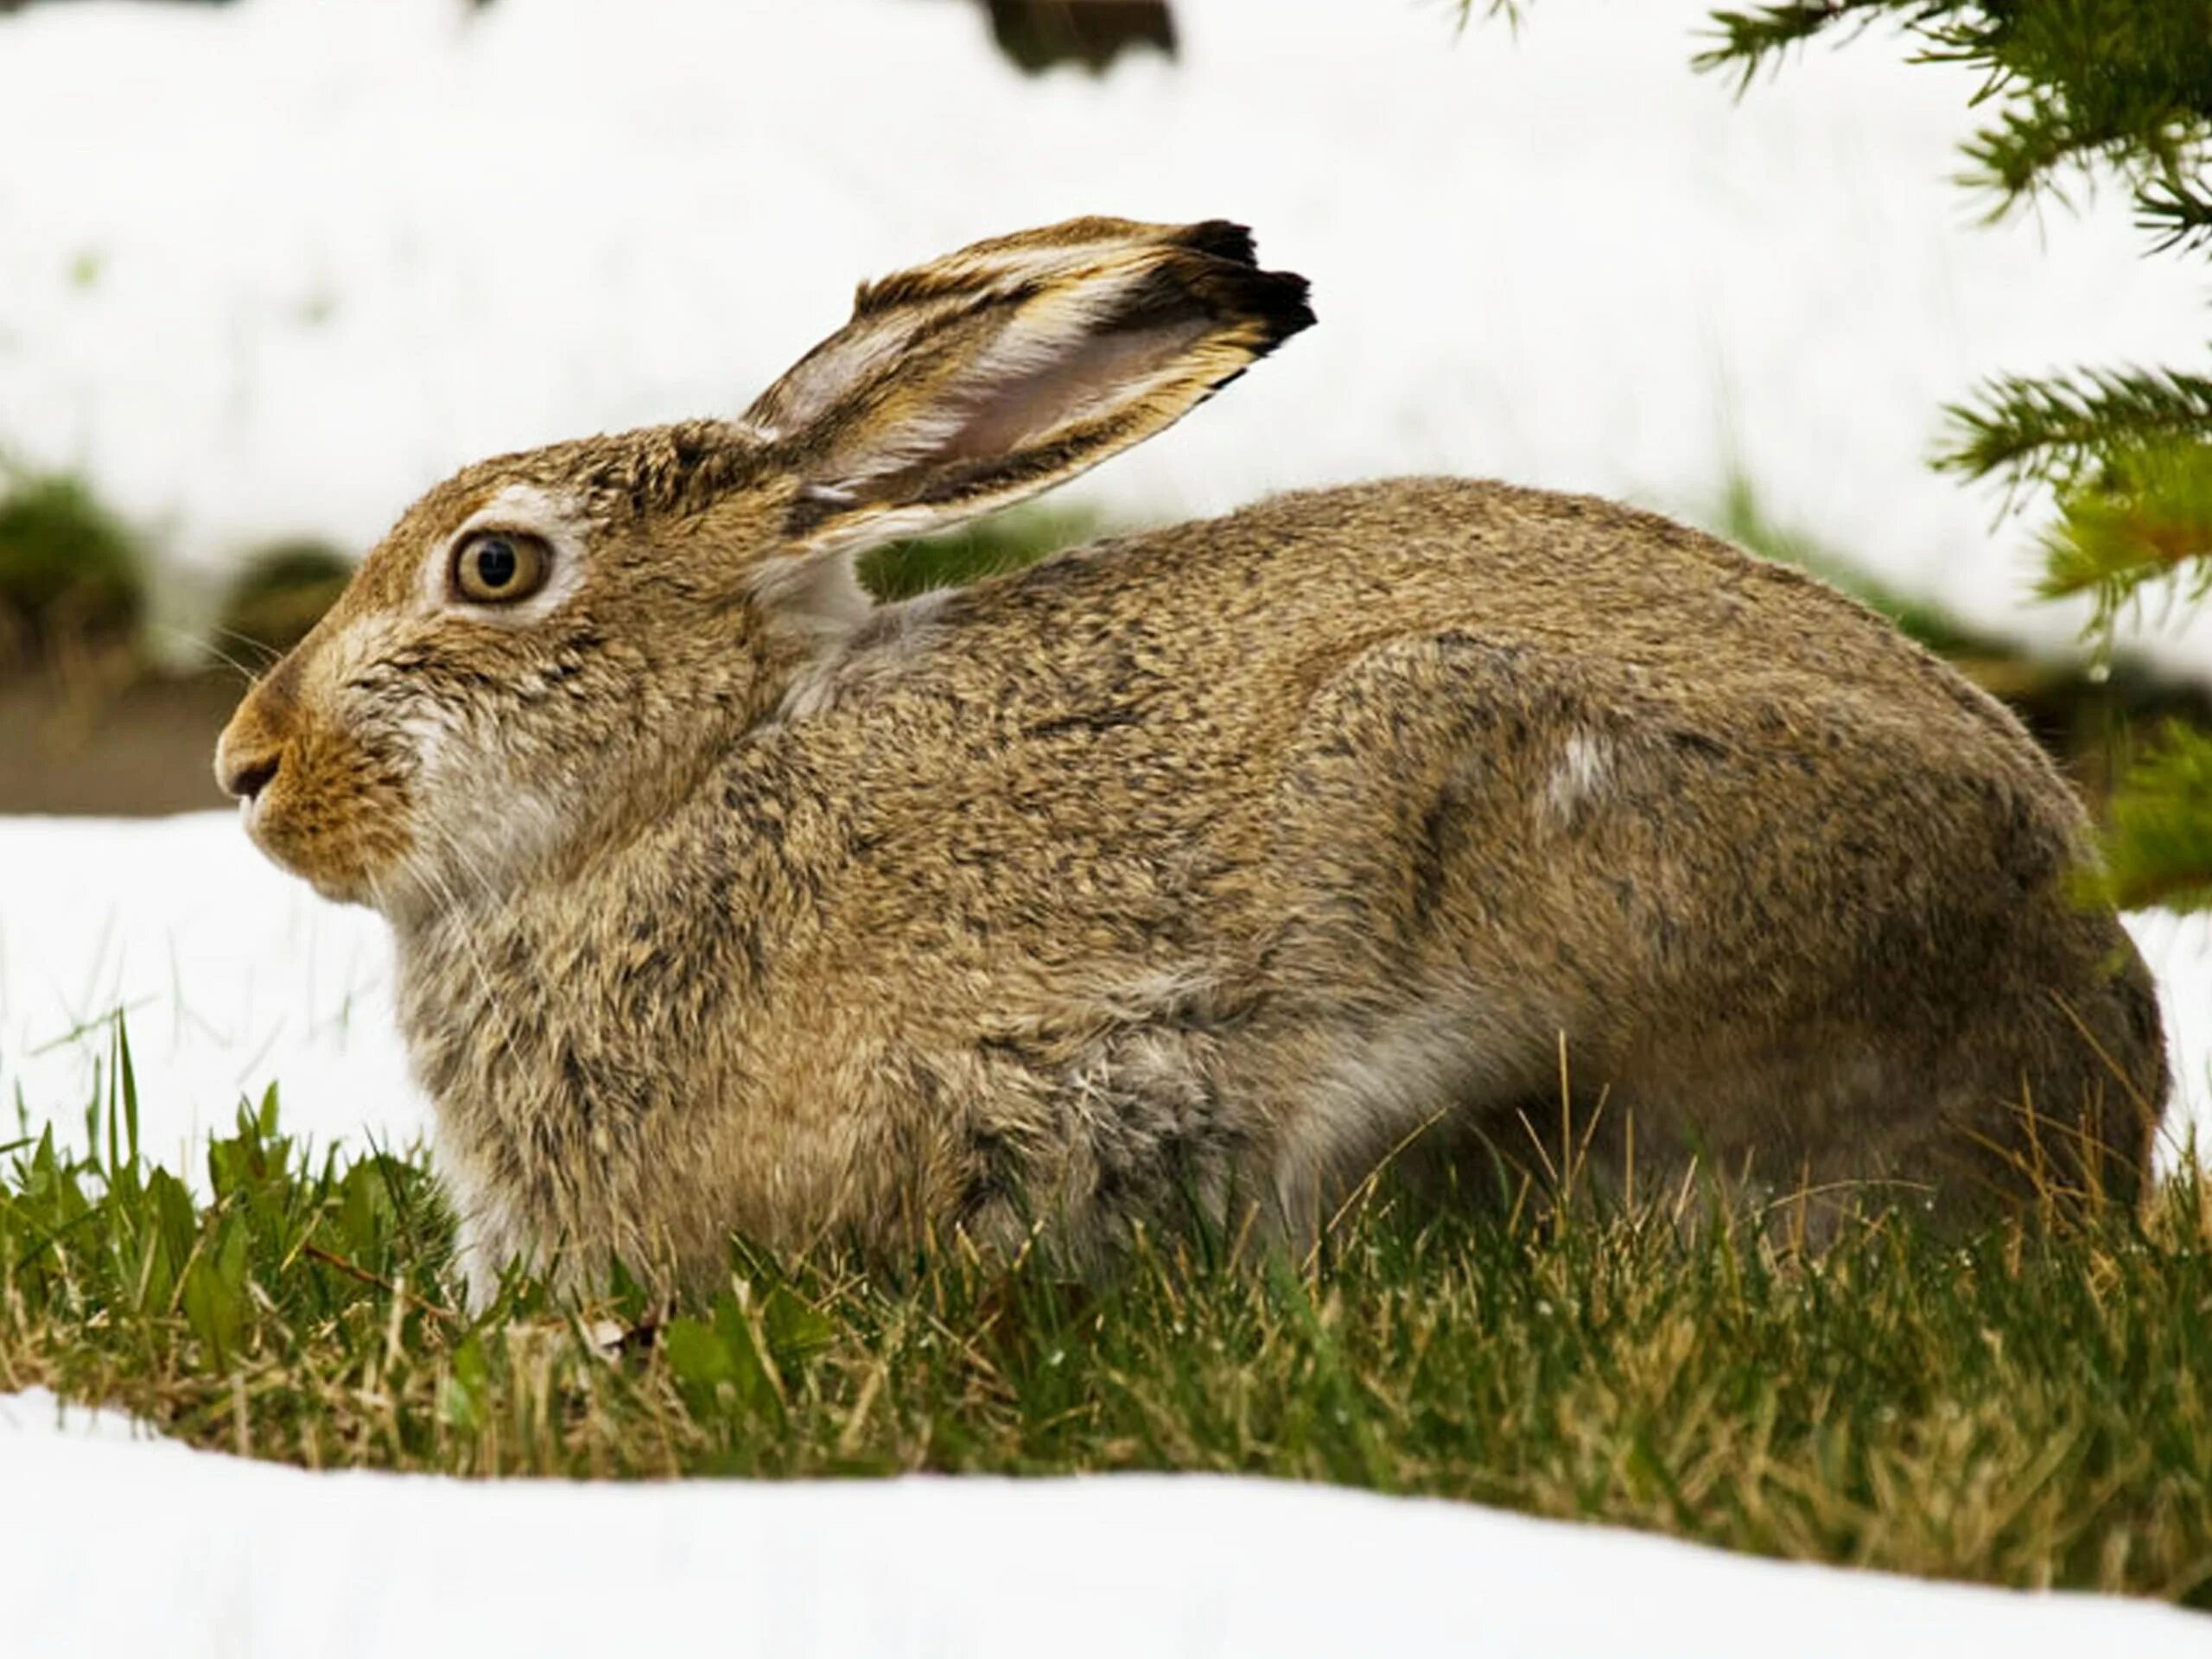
{"x":315,"y":799}
{"x":244,"y":772}
{"x":251,"y":751}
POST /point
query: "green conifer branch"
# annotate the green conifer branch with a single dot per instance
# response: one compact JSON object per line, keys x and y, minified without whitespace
{"x":1751,"y":40}
{"x":2060,"y":430}
{"x":2146,"y":519}
{"x":2157,"y":850}
{"x":2177,"y":211}
{"x":2077,"y":85}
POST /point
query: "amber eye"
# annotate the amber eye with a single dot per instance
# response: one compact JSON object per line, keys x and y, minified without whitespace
{"x":498,"y":567}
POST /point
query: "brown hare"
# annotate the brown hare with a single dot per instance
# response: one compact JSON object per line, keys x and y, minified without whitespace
{"x":1208,"y":866}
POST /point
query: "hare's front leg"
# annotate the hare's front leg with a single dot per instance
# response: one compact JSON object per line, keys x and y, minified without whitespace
{"x":490,"y":1233}
{"x":1076,"y":1134}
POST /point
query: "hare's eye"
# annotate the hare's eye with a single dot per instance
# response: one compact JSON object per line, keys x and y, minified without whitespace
{"x":498,"y":567}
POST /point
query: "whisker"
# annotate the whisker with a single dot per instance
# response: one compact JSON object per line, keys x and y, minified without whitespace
{"x":251,"y":676}
{"x":267,"y":653}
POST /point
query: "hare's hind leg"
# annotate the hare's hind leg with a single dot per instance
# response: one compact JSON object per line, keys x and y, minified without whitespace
{"x":1801,"y":950}
{"x":1433,"y":957}
{"x":2061,"y":1084}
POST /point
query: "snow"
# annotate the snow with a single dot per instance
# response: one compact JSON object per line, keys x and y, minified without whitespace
{"x":275,"y":267}
{"x":40,"y":1411}
{"x":226,"y":1556}
{"x":229,"y":973}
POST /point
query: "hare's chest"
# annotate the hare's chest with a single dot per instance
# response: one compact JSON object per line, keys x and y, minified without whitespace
{"x":556,"y":1057}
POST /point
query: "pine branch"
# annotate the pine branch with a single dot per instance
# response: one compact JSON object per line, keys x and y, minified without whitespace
{"x":1751,"y":40}
{"x":2025,"y":148}
{"x":1509,"y":9}
{"x":2059,"y":430}
{"x":2157,"y":847}
{"x":2177,"y":211}
{"x":2077,"y":83}
{"x":2148,"y":517}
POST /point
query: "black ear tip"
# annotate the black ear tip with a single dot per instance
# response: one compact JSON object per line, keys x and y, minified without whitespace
{"x":1279,"y":299}
{"x":1223,"y":238}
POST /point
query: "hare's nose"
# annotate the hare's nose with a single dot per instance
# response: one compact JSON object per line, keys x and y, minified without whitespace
{"x":245,"y":775}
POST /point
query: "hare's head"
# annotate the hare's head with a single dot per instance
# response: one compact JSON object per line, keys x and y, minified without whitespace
{"x":550,"y":646}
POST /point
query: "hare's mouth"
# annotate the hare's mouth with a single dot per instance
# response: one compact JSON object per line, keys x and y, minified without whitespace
{"x":305,"y":838}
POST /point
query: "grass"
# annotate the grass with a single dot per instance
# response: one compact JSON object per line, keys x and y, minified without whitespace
{"x":2029,"y":1408}
{"x":69,"y":569}
{"x":1004,"y":541}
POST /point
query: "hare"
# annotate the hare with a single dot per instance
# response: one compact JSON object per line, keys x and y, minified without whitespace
{"x":1207,"y":868}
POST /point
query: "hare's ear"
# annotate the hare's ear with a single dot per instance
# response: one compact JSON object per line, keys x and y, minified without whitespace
{"x":1006,"y":367}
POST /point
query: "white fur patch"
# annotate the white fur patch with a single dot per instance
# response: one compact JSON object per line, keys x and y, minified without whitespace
{"x":1584,"y":768}
{"x":900,"y":628}
{"x":815,"y":595}
{"x":1373,"y":1096}
{"x":816,"y":598}
{"x":878,"y":638}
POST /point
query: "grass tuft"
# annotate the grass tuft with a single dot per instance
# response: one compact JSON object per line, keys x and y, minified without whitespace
{"x":2028,"y":1407}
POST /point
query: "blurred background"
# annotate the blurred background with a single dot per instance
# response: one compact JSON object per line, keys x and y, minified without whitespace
{"x":270,"y":268}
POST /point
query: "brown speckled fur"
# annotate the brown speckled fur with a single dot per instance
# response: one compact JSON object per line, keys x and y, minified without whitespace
{"x":1198,"y":867}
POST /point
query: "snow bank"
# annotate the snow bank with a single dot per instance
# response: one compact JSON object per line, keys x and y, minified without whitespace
{"x":110,"y":1548}
{"x":232,"y":975}
{"x":275,"y":267}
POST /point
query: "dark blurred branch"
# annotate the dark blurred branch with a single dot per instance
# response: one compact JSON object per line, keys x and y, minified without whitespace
{"x":1039,"y":33}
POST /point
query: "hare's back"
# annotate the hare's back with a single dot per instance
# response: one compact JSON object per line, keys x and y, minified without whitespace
{"x":1580,"y":576}
{"x":1427,"y":688}
{"x":1432,"y":650}
{"x":1243,"y":618}
{"x":1579,"y":672}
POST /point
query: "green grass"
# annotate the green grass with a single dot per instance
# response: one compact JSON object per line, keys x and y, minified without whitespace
{"x":69,"y":569}
{"x":2029,"y":1408}
{"x":1004,"y":541}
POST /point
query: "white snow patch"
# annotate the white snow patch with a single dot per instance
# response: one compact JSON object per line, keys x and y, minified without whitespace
{"x":230,"y":975}
{"x":220,"y":1555}
{"x":2178,"y":951}
{"x":275,"y":267}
